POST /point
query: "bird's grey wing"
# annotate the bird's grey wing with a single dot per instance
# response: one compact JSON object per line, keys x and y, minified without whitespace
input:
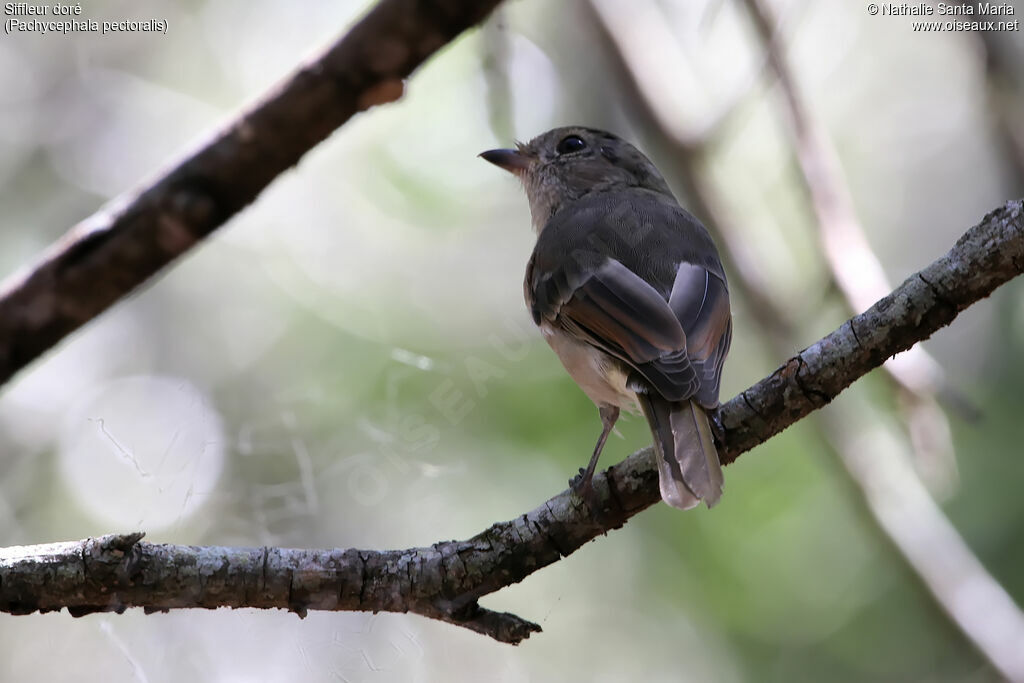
{"x":676,"y":341}
{"x":700,"y":301}
{"x":618,"y":310}
{"x":615,"y":310}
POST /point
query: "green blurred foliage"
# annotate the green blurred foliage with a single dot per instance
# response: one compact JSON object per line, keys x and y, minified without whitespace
{"x":360,"y":333}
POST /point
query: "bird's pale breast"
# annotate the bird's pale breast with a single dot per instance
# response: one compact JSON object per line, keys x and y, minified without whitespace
{"x":602,"y":377}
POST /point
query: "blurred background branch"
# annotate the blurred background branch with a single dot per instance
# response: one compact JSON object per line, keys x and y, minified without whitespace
{"x":853,"y":266}
{"x":111,"y":253}
{"x":445,"y":580}
{"x":989,"y":617}
{"x":1003,"y":81}
{"x":876,"y":461}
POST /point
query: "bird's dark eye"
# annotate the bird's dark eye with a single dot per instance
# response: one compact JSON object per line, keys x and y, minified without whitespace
{"x":569,"y":144}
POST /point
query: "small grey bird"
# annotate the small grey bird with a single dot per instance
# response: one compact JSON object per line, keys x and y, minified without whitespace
{"x":628,"y":289}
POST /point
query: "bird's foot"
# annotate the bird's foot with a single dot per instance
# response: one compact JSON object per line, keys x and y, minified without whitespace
{"x":583,"y":486}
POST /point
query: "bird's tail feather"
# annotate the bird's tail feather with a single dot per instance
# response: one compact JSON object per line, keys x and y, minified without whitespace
{"x":688,"y":467}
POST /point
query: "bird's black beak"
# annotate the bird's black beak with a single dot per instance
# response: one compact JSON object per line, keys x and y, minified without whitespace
{"x":512,"y":160}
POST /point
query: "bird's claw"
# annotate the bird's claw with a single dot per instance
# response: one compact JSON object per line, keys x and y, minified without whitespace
{"x":583,"y":486}
{"x":577,"y":482}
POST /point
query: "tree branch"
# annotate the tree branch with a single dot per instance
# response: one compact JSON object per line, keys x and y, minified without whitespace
{"x":111,"y":253}
{"x":853,"y":264}
{"x":446,"y":580}
{"x":905,"y":515}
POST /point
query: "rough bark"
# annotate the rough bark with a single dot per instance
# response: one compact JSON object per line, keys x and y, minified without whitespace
{"x":985,"y":257}
{"x":446,"y":580}
{"x":114,"y":251}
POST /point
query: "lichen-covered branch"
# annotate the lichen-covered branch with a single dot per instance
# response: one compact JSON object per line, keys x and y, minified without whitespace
{"x":111,"y":253}
{"x":446,"y":580}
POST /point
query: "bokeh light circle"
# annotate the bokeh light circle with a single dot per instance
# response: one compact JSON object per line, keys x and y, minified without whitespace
{"x":142,"y":451}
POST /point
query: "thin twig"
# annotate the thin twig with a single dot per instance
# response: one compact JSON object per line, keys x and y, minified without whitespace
{"x":446,"y":580}
{"x":1006,"y":105}
{"x":495,"y":59}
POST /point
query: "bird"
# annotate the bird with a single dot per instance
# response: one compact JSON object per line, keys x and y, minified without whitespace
{"x":628,"y":289}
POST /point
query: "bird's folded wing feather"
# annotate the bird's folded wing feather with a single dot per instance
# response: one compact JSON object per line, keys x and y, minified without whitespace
{"x":677,"y":343}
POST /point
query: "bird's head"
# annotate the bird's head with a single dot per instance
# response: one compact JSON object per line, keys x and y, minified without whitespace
{"x":564,"y":165}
